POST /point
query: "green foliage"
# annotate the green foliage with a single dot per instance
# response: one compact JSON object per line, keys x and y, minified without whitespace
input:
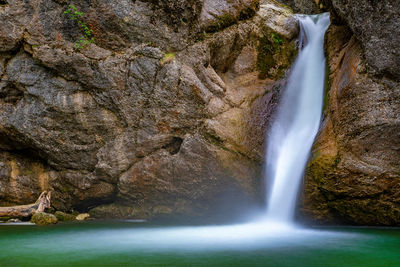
{"x":265,"y":57}
{"x":202,"y":36}
{"x":87,"y":37}
{"x":168,"y":57}
{"x":64,"y":217}
{"x":276,"y":38}
{"x":226,"y":21}
{"x":42,"y":218}
{"x":275,"y":55}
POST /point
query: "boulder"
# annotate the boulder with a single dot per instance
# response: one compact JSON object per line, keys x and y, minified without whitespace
{"x":64,"y":217}
{"x":43,"y":218}
{"x":82,"y":216}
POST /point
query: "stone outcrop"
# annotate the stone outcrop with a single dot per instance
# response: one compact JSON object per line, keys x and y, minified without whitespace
{"x":375,"y":25}
{"x":64,"y":217}
{"x":163,"y":115}
{"x":43,"y":218}
{"x":354,"y":173}
{"x":305,"y":6}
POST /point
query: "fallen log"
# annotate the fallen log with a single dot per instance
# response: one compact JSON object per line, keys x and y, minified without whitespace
{"x":25,"y":211}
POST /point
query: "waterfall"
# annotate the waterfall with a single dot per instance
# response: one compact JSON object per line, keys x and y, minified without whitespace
{"x":297,"y":121}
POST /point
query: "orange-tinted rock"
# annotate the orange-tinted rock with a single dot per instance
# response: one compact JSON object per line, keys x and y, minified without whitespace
{"x":354,"y":173}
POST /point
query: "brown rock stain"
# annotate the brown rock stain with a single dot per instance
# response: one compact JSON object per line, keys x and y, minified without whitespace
{"x":14,"y":174}
{"x":42,"y":176}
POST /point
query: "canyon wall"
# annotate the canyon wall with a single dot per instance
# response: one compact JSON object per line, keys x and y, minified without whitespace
{"x":163,"y":116}
{"x":354,"y":173}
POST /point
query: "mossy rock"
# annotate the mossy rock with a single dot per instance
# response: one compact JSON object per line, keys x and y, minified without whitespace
{"x":322,"y":169}
{"x":275,"y":55}
{"x":43,"y":218}
{"x":64,"y":217}
{"x":222,"y":22}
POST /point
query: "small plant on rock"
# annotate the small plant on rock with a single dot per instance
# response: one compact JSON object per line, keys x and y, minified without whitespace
{"x":169,"y":57}
{"x":276,"y":38}
{"x":87,"y":37}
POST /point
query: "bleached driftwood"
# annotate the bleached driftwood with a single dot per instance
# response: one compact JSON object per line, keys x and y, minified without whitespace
{"x":24,"y":211}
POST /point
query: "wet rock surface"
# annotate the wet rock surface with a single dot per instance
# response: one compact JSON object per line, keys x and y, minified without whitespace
{"x":82,"y":217}
{"x":164,"y":113}
{"x":43,"y":218}
{"x":354,"y":172}
{"x":64,"y":217}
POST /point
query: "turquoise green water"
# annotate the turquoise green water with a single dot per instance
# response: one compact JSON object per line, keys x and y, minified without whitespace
{"x":141,"y":244}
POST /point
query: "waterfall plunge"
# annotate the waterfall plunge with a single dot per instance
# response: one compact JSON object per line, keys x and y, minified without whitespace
{"x":297,"y":122}
{"x":289,"y":144}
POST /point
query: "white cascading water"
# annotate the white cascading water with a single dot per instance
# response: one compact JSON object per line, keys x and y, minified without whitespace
{"x":297,"y":122}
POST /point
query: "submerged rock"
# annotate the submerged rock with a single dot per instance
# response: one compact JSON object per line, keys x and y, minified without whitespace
{"x":43,"y":218}
{"x":13,"y":221}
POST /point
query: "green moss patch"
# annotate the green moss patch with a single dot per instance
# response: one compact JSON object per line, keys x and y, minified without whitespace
{"x":275,"y":55}
{"x":42,"y":218}
{"x":64,"y":217}
{"x":322,"y":170}
{"x":222,"y":22}
{"x":169,"y":57}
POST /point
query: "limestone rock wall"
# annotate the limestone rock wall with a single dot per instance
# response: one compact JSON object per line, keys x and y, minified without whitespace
{"x":162,"y":116}
{"x":354,"y":173}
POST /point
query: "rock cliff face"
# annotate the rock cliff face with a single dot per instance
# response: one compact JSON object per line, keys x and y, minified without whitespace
{"x":163,"y":116}
{"x":304,"y":6}
{"x":354,"y":173}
